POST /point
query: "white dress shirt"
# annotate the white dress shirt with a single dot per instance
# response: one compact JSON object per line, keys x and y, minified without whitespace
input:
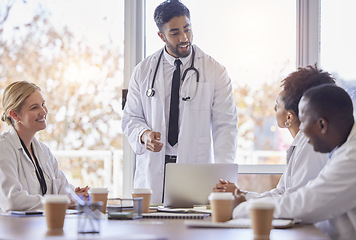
{"x":168,"y":69}
{"x":304,"y":165}
{"x":328,"y":201}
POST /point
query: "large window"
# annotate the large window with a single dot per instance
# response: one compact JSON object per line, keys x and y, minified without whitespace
{"x":256,"y":41}
{"x":338,"y":38}
{"x":73,"y":50}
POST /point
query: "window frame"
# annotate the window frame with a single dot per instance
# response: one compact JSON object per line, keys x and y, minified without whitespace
{"x":308,"y":53}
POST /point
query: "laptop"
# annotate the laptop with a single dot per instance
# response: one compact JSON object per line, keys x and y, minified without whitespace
{"x":187,"y":185}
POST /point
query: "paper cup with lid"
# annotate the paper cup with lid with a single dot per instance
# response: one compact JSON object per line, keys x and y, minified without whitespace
{"x":144,"y":193}
{"x":99,"y":194}
{"x":55,"y":210}
{"x":221,"y":206}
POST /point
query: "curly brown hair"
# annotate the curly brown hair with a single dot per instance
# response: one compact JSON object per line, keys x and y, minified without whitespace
{"x":301,"y":80}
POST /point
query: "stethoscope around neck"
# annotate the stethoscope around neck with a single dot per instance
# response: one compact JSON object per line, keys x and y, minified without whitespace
{"x":151,"y":91}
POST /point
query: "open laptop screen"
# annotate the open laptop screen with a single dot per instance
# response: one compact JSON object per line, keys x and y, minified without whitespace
{"x":187,"y":185}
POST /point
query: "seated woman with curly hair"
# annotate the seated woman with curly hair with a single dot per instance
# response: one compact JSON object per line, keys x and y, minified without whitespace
{"x":303,"y":163}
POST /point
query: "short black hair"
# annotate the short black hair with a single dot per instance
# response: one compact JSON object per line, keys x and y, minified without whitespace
{"x":330,"y":102}
{"x":299,"y":81}
{"x":168,"y":10}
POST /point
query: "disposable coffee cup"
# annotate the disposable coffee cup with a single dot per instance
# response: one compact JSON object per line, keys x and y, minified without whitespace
{"x":221,"y":206}
{"x":55,"y":210}
{"x":99,"y":195}
{"x":144,"y":193}
{"x":261,"y":214}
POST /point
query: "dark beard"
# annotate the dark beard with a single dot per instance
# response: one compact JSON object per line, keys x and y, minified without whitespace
{"x":175,"y":50}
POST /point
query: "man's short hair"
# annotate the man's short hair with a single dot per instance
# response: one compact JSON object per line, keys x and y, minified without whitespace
{"x":299,"y":81}
{"x":330,"y":102}
{"x":168,"y":10}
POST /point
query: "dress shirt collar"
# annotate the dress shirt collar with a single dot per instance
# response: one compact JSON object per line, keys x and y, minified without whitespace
{"x":332,"y":152}
{"x":171,"y":59}
{"x":351,"y":135}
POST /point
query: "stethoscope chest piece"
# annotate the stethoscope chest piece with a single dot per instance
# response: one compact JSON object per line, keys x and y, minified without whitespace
{"x":150,"y":92}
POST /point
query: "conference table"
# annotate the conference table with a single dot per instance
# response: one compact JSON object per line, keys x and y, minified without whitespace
{"x":34,"y":227}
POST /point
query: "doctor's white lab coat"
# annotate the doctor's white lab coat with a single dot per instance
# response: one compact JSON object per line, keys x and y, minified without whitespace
{"x":328,"y":201}
{"x":19,"y":187}
{"x":208,"y":123}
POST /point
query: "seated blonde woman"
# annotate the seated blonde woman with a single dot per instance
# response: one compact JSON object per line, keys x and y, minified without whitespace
{"x":28,"y":170}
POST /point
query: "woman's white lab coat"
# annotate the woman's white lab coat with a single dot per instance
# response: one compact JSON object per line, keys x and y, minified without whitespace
{"x":19,"y":186}
{"x":208,"y":123}
{"x":304,"y":165}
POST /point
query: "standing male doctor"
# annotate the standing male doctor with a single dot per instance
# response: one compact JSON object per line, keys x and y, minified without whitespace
{"x":180,"y":107}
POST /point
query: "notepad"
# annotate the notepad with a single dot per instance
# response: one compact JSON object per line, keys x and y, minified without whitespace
{"x":175,"y":215}
{"x":27,"y":213}
{"x":238,"y":223}
{"x":184,"y":210}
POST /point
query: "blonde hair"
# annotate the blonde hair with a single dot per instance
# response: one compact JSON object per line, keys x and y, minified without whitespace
{"x":14,"y":97}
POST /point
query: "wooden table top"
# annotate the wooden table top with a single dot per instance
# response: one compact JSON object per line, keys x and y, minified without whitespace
{"x":171,"y":229}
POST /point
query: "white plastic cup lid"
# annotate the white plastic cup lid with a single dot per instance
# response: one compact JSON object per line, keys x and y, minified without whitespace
{"x":221,"y":196}
{"x":261,"y":204}
{"x":98,"y":190}
{"x":141,"y":191}
{"x":55,"y":198}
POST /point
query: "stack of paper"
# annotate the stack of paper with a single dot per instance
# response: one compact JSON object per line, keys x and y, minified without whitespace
{"x":238,"y":223}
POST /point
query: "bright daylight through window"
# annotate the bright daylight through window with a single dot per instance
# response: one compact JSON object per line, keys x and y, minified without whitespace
{"x":256,"y":41}
{"x":73,"y":50}
{"x":338,"y":38}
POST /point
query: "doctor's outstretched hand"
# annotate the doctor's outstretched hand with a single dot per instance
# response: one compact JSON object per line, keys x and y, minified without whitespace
{"x":151,"y":140}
